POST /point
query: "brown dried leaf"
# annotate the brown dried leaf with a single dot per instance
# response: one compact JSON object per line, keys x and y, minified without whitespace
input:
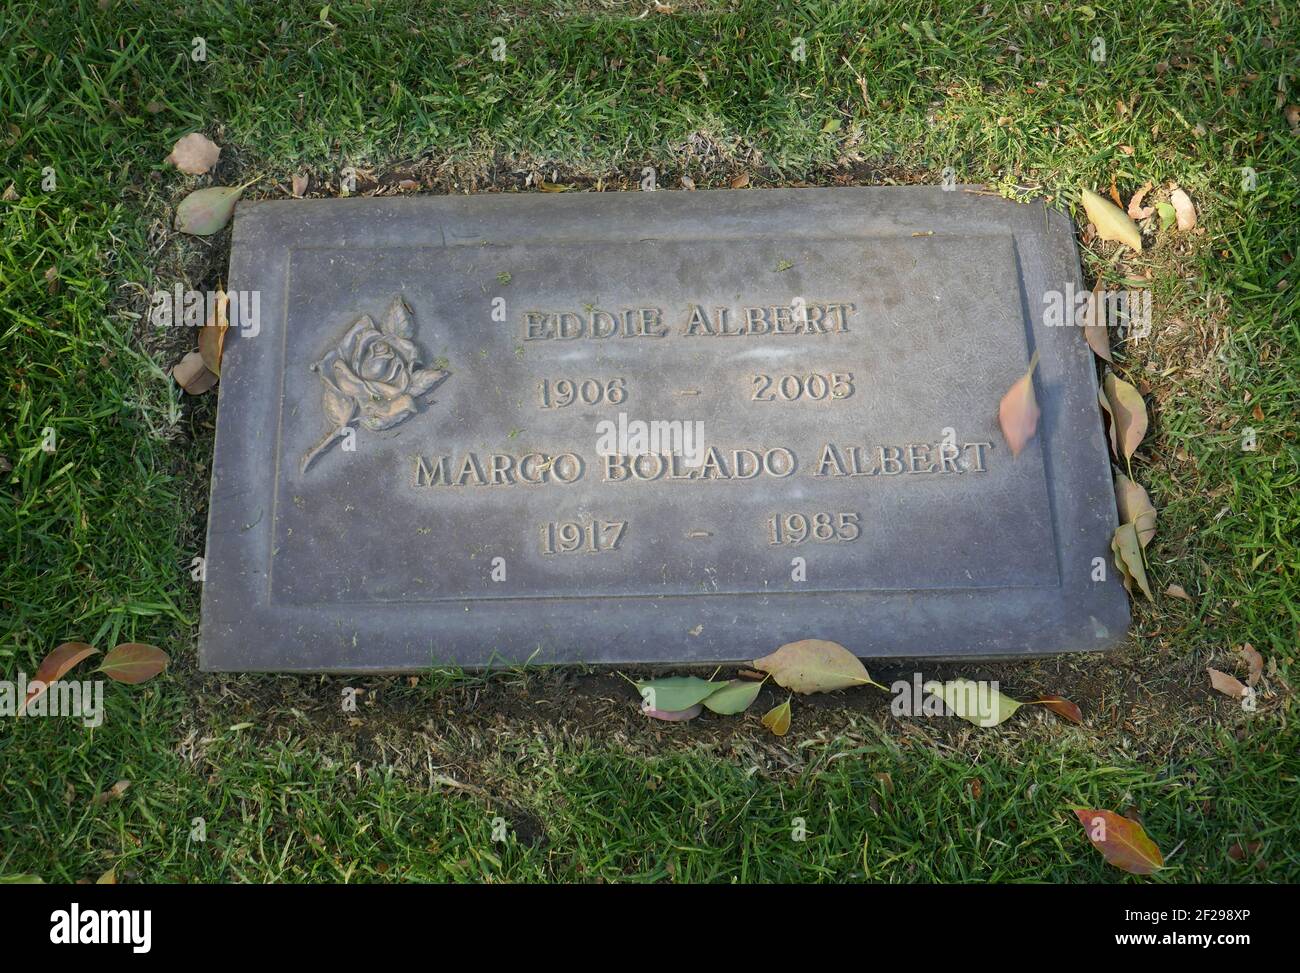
{"x":299,"y":183}
{"x":53,"y":667}
{"x":1255,"y":663}
{"x":1135,"y":508}
{"x":1060,"y":706}
{"x":192,"y":375}
{"x":1178,"y":591}
{"x":1182,"y":205}
{"x":1018,"y":412}
{"x":1128,"y":415}
{"x":740,"y":181}
{"x":1094,"y":325}
{"x":1226,"y":684}
{"x":1128,"y":559}
{"x":112,"y":794}
{"x":194,"y":154}
{"x":553,"y":187}
{"x":212,"y":336}
{"x":1135,"y":207}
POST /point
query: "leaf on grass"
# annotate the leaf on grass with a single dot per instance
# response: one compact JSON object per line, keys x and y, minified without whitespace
{"x":1135,"y":508}
{"x":1184,"y":211}
{"x":1122,"y":841}
{"x":1168,"y":215}
{"x":1112,"y":223}
{"x":1128,"y":415}
{"x":112,"y":794}
{"x":1018,"y":411}
{"x":1178,"y":591}
{"x":1255,"y":663}
{"x":1060,"y":706}
{"x":21,"y":880}
{"x":133,"y":662}
{"x":975,"y":702}
{"x":298,"y":185}
{"x":740,"y":181}
{"x":777,"y":719}
{"x":212,"y":336}
{"x":674,"y":716}
{"x":205,"y":211}
{"x":194,"y":154}
{"x":192,"y":375}
{"x":553,"y":187}
{"x":1094,"y":325}
{"x":674,"y":693}
{"x":54,"y":667}
{"x":815,"y":666}
{"x":1135,"y":207}
{"x":1128,"y":559}
{"x":734,"y":697}
{"x":108,"y":878}
{"x":1239,"y":852}
{"x":1226,"y":684}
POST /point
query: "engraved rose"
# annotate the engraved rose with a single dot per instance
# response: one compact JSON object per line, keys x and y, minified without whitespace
{"x":373,"y":376}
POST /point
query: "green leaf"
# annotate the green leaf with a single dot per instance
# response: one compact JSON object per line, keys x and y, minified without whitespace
{"x":21,"y":880}
{"x":975,"y":702}
{"x":1168,"y":215}
{"x":734,"y":696}
{"x":675,"y":693}
{"x":205,"y":211}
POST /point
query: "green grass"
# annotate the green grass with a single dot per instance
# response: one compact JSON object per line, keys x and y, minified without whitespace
{"x":98,"y":534}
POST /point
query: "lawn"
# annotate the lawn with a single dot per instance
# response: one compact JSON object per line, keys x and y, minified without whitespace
{"x":265,"y":778}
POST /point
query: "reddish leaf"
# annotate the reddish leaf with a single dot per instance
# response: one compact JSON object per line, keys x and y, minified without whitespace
{"x":112,"y":794}
{"x":677,"y":716}
{"x":1239,"y":852}
{"x":1018,"y":412}
{"x":54,"y":667}
{"x":134,"y":662}
{"x":1121,"y":841}
{"x":1255,"y":661}
{"x":1061,"y":707}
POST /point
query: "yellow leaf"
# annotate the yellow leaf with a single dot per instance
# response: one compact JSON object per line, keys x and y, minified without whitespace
{"x":777,"y":719}
{"x":1112,"y":223}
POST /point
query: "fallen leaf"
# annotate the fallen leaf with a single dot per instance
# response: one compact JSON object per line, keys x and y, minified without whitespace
{"x":112,"y":794}
{"x":299,"y":185}
{"x":133,"y":662}
{"x":687,"y":182}
{"x":1018,"y":411}
{"x":553,"y":187}
{"x":54,"y":667}
{"x":734,"y":697}
{"x":1121,"y":841}
{"x":1168,"y":215}
{"x":1239,"y":852}
{"x":1135,"y":508}
{"x":212,"y":336}
{"x":1226,"y":684}
{"x":1112,"y":223}
{"x":1094,"y":324}
{"x":1254,"y":662}
{"x":205,"y":211}
{"x":192,"y":375}
{"x":1060,"y":706}
{"x":1128,"y":559}
{"x":1292,"y":115}
{"x":1135,"y":208}
{"x":1128,"y":415}
{"x":677,"y":716}
{"x":974,"y":702}
{"x":108,"y":878}
{"x":740,"y":181}
{"x":1114,"y":193}
{"x":777,"y":719}
{"x":21,"y":880}
{"x":10,"y":194}
{"x":815,"y":666}
{"x":674,"y":693}
{"x":194,"y":154}
{"x":1178,"y":591}
{"x":1184,"y":211}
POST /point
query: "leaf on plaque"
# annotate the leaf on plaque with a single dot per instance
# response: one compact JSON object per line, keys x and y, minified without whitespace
{"x":1135,"y":508}
{"x":398,"y":320}
{"x":1122,"y":841}
{"x":1018,"y":412}
{"x":1112,"y":223}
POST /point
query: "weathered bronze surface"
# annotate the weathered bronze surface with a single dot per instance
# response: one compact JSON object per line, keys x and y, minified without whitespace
{"x":663,"y":427}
